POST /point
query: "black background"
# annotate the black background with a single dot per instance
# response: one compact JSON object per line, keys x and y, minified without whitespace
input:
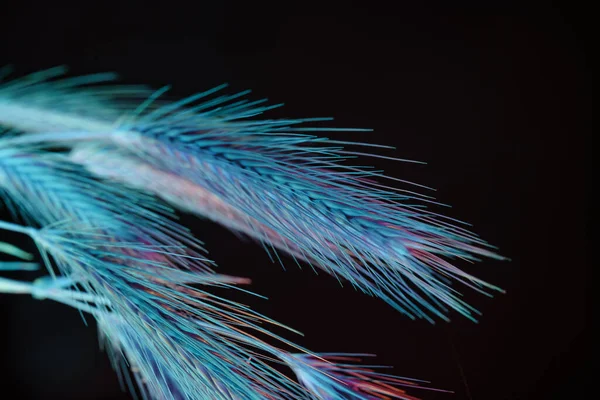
{"x":496,"y":99}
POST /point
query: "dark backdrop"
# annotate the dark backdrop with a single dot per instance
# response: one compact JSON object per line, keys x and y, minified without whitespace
{"x":496,"y":99}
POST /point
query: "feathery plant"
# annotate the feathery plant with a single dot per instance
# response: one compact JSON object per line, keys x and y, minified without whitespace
{"x":91,"y":173}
